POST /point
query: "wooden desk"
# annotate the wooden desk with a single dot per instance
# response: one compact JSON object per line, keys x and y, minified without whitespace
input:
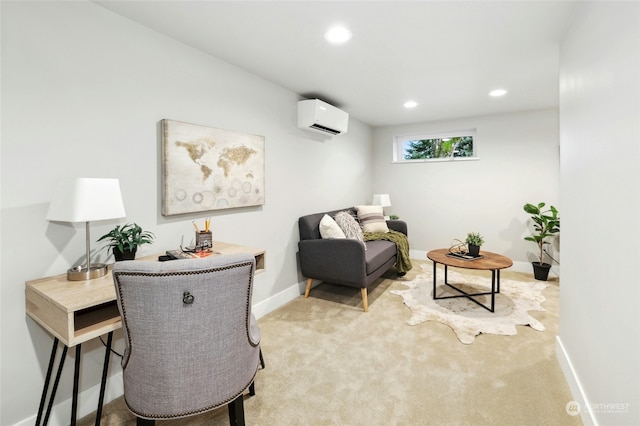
{"x":77,"y":311}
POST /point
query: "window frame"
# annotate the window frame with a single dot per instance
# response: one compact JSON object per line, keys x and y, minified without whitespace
{"x":399,"y":140}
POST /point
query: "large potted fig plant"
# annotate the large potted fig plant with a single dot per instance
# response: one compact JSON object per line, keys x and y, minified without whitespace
{"x":124,"y":240}
{"x":546,"y":223}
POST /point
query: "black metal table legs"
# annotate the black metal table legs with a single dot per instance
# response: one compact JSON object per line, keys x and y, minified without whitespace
{"x":495,"y":288}
{"x":76,"y":379}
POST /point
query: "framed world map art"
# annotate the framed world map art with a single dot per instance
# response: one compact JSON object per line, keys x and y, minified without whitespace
{"x":205,"y":168}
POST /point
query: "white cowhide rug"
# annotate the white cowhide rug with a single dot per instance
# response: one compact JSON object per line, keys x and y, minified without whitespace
{"x":466,"y":318}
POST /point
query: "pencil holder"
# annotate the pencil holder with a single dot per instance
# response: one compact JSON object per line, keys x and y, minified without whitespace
{"x":204,"y":239}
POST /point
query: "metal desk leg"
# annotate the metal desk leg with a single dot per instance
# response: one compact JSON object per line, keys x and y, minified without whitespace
{"x":43,"y":398}
{"x":103,"y":384}
{"x":63,"y":357}
{"x":76,"y":379}
{"x":45,"y":389}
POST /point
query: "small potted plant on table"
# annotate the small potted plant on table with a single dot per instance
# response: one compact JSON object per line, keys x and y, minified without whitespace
{"x":546,"y":223}
{"x":124,"y":240}
{"x":474,"y":241}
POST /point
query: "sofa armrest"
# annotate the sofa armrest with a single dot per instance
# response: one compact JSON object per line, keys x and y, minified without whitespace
{"x":398,"y":225}
{"x":341,"y":261}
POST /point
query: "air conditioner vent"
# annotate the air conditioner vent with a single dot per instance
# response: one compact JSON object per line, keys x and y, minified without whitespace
{"x":325,"y":129}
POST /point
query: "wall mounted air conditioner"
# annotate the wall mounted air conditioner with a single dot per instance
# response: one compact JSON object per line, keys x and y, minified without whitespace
{"x":319,"y":116}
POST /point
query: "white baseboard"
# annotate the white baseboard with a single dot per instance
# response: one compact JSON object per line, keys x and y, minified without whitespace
{"x":575,"y":386}
{"x":274,"y":302}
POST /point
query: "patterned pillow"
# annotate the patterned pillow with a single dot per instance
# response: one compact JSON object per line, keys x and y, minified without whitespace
{"x":349,"y":226}
{"x":329,"y":228}
{"x":372,"y":219}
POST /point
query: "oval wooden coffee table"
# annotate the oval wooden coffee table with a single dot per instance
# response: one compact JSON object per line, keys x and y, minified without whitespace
{"x":489,"y":262}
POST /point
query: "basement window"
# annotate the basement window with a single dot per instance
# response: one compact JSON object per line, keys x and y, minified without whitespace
{"x":431,"y":147}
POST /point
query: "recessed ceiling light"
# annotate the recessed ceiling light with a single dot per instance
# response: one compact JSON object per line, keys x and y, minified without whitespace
{"x":410,"y":104}
{"x":497,"y":92}
{"x":337,"y":35}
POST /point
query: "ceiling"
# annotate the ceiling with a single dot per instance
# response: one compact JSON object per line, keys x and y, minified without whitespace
{"x":445,"y":55}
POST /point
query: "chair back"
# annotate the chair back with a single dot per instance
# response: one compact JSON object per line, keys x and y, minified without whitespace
{"x":191,"y":342}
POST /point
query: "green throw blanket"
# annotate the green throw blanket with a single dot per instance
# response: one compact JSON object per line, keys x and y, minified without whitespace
{"x":402,"y":244}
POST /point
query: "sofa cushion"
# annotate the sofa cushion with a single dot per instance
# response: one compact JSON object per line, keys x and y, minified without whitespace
{"x":329,"y":228}
{"x":371,"y":219}
{"x":349,"y":226}
{"x":378,"y":253}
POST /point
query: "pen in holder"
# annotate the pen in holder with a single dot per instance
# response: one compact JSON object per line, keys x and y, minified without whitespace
{"x":204,"y":239}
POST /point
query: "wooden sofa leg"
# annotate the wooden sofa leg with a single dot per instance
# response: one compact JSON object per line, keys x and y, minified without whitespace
{"x":306,"y":292}
{"x":365,"y":302}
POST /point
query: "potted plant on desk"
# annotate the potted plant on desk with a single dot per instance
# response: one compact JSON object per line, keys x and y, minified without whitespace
{"x":474,"y":241}
{"x":546,"y":223}
{"x":124,"y":240}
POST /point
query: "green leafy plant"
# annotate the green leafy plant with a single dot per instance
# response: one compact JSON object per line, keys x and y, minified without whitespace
{"x":546,"y":223}
{"x":394,"y":217}
{"x":127,"y":237}
{"x":475,"y":239}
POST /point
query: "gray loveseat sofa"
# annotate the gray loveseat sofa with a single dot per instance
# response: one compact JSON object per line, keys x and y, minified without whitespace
{"x":344,"y":261}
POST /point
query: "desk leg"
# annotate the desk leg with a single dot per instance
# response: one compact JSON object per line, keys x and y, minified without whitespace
{"x":63,"y":357}
{"x":43,"y":398}
{"x":103,"y":384}
{"x":45,"y":389}
{"x":76,"y":379}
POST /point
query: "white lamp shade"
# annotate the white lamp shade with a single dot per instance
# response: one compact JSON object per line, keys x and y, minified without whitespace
{"x":381,"y":200}
{"x":86,"y":200}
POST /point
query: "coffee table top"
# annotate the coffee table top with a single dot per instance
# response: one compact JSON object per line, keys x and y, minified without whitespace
{"x":490,"y":261}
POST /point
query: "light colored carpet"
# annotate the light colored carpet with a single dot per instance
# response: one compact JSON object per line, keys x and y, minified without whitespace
{"x":466,"y":318}
{"x":329,"y":363}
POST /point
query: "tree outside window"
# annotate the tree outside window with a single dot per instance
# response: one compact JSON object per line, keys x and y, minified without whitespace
{"x":438,"y":148}
{"x":435,"y":147}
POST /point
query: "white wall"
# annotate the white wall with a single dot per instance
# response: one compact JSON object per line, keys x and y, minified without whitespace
{"x":599,"y":339}
{"x":83,"y":91}
{"x":442,"y":201}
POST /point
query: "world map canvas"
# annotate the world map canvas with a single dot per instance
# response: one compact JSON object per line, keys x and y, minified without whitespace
{"x":210,"y":169}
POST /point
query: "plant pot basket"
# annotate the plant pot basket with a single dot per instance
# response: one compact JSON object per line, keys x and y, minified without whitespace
{"x":474,"y":250}
{"x":541,"y":270}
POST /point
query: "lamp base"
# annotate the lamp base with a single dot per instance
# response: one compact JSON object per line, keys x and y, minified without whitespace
{"x":82,"y":273}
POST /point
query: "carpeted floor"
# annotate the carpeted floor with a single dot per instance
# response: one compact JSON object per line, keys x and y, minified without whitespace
{"x":329,"y":363}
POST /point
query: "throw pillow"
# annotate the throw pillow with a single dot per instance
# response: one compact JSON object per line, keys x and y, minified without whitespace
{"x":349,"y":226}
{"x":372,"y":219}
{"x":329,"y":228}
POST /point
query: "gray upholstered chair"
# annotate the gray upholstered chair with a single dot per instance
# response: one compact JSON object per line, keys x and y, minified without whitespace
{"x":192,"y":343}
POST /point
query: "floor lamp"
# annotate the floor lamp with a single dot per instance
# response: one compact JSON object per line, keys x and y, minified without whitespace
{"x":86,"y":200}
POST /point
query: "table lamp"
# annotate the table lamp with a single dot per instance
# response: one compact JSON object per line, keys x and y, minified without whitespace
{"x":382,"y":200}
{"x":86,"y":200}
